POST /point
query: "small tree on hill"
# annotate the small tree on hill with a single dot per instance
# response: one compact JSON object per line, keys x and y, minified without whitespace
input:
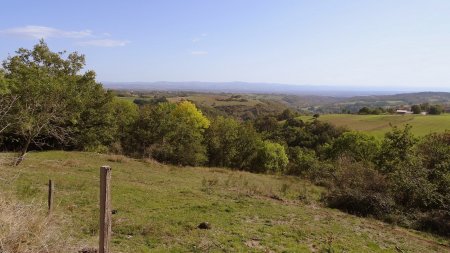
{"x":416,"y":109}
{"x":271,"y":157}
{"x":435,"y":110}
{"x":396,"y":148}
{"x":364,"y":111}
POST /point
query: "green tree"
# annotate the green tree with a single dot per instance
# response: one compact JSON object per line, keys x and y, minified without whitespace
{"x":124,"y":114}
{"x":222,"y":141}
{"x":47,"y":88}
{"x":425,"y":107}
{"x":365,"y":111}
{"x":95,"y":126}
{"x":356,"y":145}
{"x":247,"y":145}
{"x":434,"y":151}
{"x":396,"y":147}
{"x":7,"y":101}
{"x":435,"y":109}
{"x":416,"y":109}
{"x":148,"y":129}
{"x":268,"y":124}
{"x":286,"y":114}
{"x":183,"y":143}
{"x":271,"y":157}
{"x":301,"y":161}
{"x":170,"y":132}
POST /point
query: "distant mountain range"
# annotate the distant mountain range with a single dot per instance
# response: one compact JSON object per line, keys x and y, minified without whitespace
{"x":244,"y":87}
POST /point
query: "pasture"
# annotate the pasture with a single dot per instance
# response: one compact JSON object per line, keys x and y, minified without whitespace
{"x":158,"y":209}
{"x":378,"y":125}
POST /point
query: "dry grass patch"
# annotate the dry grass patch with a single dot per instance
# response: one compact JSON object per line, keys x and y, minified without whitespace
{"x":26,"y":228}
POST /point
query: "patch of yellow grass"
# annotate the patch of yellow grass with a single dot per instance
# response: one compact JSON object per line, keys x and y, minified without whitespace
{"x":26,"y":228}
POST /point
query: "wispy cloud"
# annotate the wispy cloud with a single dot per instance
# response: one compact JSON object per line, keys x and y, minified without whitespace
{"x":42,"y":32}
{"x":83,"y":37}
{"x":104,"y":43}
{"x":199,"y":38}
{"x":199,"y":52}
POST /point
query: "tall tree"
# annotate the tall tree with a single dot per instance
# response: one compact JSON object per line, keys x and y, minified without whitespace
{"x":416,"y":109}
{"x":183,"y":142}
{"x":47,"y":86}
{"x":169,"y":132}
{"x":7,"y":101}
{"x":221,"y":138}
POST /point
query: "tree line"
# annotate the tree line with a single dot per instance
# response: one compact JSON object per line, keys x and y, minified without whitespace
{"x":48,"y":101}
{"x":435,"y":109}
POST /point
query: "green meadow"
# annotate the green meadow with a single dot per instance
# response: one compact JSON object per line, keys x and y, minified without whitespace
{"x":378,"y":125}
{"x":158,"y":208}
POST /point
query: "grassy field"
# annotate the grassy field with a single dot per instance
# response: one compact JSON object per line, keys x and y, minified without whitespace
{"x":217,"y":100}
{"x":159,"y":208}
{"x":209,"y":100}
{"x":378,"y":125}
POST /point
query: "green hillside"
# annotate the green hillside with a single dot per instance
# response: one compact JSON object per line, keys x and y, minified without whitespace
{"x":159,"y":208}
{"x":378,"y":125}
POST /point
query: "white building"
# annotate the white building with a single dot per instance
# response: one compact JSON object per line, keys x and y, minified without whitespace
{"x":403,"y":112}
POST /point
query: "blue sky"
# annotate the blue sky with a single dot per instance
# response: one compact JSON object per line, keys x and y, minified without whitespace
{"x":371,"y":43}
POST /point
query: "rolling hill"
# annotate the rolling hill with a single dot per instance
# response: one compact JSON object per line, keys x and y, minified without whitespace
{"x":158,"y":208}
{"x":378,"y":125}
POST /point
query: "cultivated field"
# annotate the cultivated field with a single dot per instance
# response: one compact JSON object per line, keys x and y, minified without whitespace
{"x":159,"y":208}
{"x":378,"y":125}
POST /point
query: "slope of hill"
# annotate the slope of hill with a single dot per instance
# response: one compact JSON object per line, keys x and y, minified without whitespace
{"x":353,"y":104}
{"x":159,"y":207}
{"x":378,"y":125}
{"x":322,"y":102}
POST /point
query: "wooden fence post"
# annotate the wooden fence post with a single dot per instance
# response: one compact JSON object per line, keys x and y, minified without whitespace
{"x":105,"y":209}
{"x":51,"y":189}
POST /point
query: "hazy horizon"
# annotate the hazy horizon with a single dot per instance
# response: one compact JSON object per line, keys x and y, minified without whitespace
{"x":401,"y":45}
{"x":264,"y":88}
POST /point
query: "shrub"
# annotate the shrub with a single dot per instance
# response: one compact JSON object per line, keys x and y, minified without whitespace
{"x":435,"y":110}
{"x":271,"y":157}
{"x":411,"y":188}
{"x":355,"y":145}
{"x":361,"y":191}
{"x":301,"y":161}
{"x":436,"y":221}
{"x":397,"y":147}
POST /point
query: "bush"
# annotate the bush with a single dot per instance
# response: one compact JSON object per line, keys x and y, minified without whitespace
{"x":361,"y":191}
{"x":435,"y":221}
{"x":411,"y":187}
{"x":397,"y":147}
{"x":301,"y":161}
{"x":435,"y":110}
{"x":416,"y":109}
{"x":355,"y":145}
{"x":170,"y":133}
{"x":271,"y":157}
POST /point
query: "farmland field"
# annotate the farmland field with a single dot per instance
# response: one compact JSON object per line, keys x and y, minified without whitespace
{"x":158,"y":208}
{"x":378,"y":125}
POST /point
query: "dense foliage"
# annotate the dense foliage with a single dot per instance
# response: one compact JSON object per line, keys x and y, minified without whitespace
{"x":406,"y":181}
{"x":55,"y":102}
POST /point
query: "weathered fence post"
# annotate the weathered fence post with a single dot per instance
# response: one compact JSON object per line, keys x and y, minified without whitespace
{"x":105,"y":209}
{"x":51,"y":189}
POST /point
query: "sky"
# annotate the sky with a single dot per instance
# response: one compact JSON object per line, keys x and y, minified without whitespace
{"x":362,"y":43}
